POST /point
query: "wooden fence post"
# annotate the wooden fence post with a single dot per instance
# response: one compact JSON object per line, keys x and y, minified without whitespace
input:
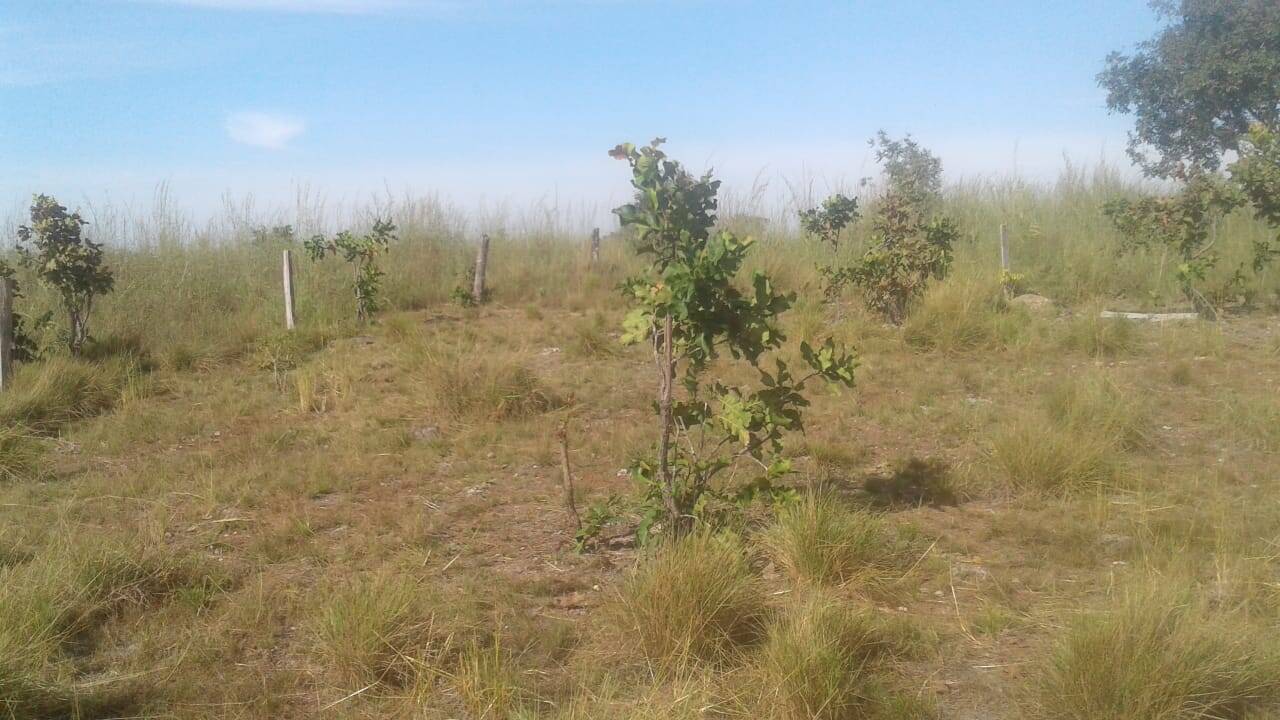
{"x":1004,"y":248}
{"x":482,"y":260}
{"x":288,"y":290}
{"x":595,"y":246}
{"x":6,"y":333}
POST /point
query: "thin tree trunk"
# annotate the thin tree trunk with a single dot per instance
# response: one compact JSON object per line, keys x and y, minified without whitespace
{"x":667,"y":369}
{"x":563,"y":435}
{"x":6,"y":333}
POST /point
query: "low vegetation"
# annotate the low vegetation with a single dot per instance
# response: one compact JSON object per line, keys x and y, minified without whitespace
{"x":1159,"y":654}
{"x":696,"y":600}
{"x":559,"y":501}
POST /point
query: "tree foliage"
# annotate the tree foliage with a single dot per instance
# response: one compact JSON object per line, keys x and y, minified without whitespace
{"x":1197,"y":87}
{"x":25,"y":348}
{"x":911,"y":171}
{"x":1181,"y":222}
{"x":54,"y":248}
{"x":911,"y":245}
{"x":1206,"y":86}
{"x":362,"y":252}
{"x":1258,"y":174}
{"x":828,"y":221}
{"x":689,"y":307}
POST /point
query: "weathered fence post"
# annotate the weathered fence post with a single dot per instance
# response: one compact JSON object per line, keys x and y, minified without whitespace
{"x":1004,"y":248}
{"x":482,"y":260}
{"x":6,"y":333}
{"x":288,"y":290}
{"x":595,"y":246}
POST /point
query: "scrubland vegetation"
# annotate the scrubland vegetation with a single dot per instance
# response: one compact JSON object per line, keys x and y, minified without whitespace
{"x":1014,"y":512}
{"x":609,"y":488}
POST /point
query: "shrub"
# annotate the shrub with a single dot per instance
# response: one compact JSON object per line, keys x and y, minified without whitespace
{"x":817,"y":663}
{"x":689,"y":307}
{"x":23,"y":343}
{"x":692,"y":600}
{"x":817,"y":540}
{"x":1157,"y":656}
{"x":827,"y":222}
{"x":362,"y":252}
{"x":1182,"y":223}
{"x":911,"y":245}
{"x":65,"y":261}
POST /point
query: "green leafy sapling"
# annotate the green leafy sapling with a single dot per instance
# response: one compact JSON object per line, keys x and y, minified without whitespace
{"x":1181,"y":223}
{"x":53,"y":246}
{"x":828,"y":221}
{"x":911,"y":244}
{"x":362,"y":252}
{"x":1257,"y":171}
{"x":25,"y":348}
{"x":911,"y":171}
{"x":719,"y":445}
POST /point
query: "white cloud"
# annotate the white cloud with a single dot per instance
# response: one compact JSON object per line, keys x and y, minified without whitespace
{"x":264,"y":130}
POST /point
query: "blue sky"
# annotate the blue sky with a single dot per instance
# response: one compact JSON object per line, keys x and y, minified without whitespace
{"x":519,"y":100}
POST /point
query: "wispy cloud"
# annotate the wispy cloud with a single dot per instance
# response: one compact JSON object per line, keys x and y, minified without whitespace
{"x":264,"y":130}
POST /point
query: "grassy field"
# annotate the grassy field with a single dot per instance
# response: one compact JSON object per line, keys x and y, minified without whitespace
{"x":1014,"y":513}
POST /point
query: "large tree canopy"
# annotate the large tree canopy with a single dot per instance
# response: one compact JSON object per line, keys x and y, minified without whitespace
{"x":1197,"y":87}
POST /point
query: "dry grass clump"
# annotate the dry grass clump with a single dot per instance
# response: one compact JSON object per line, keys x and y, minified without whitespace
{"x":481,"y":387}
{"x":54,"y":392}
{"x":1097,"y":403}
{"x":693,"y":600}
{"x":488,"y":683}
{"x":52,"y":608}
{"x":20,"y":454}
{"x":590,"y":339}
{"x":1158,"y":655}
{"x":963,"y":314}
{"x":387,"y":629}
{"x":821,"y":541}
{"x":1090,"y":333}
{"x":1078,"y":443}
{"x":818,"y":662}
{"x":1036,"y":456}
{"x":1253,"y":420}
{"x":321,"y":387}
